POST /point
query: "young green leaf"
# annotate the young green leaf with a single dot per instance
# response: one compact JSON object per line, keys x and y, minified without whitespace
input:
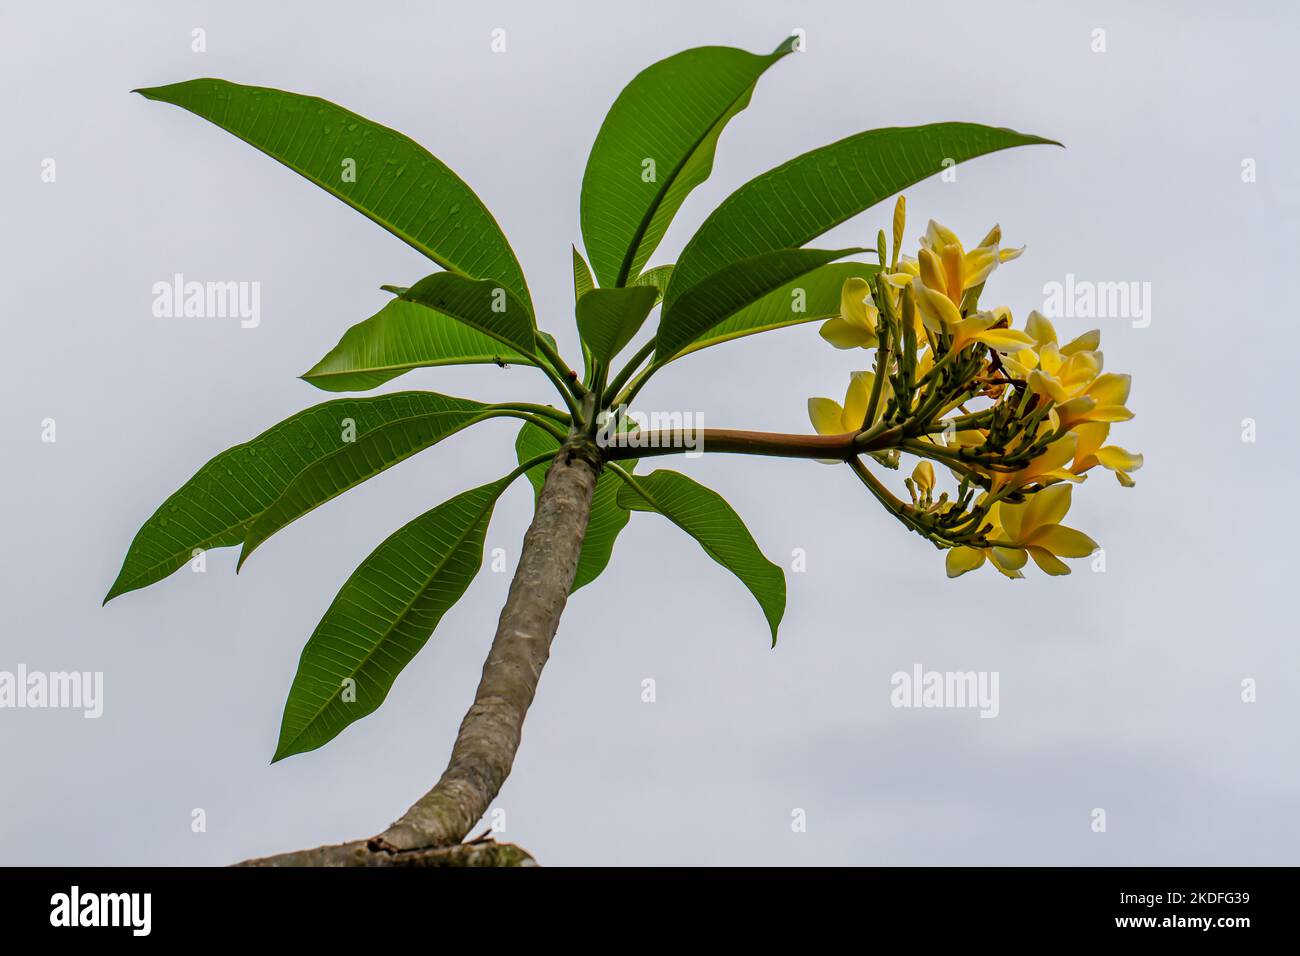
{"x":384,"y":175}
{"x":352,"y":462}
{"x":214,"y":508}
{"x":608,"y":318}
{"x":706,"y":517}
{"x":382,"y":616}
{"x":656,"y":145}
{"x":402,"y":336}
{"x":657,"y":277}
{"x":689,"y":316}
{"x":809,"y":298}
{"x":482,"y":304}
{"x":608,"y":517}
{"x":582,"y":281}
{"x":798,"y":201}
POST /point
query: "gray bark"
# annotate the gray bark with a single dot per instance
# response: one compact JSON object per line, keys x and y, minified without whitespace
{"x":489,"y":735}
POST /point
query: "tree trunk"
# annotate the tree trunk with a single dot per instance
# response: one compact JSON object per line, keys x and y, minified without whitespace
{"x":489,"y":735}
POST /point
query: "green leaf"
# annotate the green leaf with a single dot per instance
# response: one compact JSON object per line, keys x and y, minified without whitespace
{"x":397,"y":183}
{"x":353,"y":462}
{"x":215,"y":507}
{"x":582,"y":281}
{"x":381,"y":618}
{"x":399,"y":337}
{"x":798,"y":201}
{"x":608,"y":318}
{"x":608,"y":517}
{"x":706,"y":517}
{"x":739,"y":284}
{"x":810,"y":298}
{"x":672,"y":114}
{"x":483,"y":304}
{"x":658,"y":277}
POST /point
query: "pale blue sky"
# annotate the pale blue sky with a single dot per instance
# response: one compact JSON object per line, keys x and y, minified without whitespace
{"x":1118,"y":690}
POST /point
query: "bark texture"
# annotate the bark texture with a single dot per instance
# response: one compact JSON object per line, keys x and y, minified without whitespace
{"x":490,"y":733}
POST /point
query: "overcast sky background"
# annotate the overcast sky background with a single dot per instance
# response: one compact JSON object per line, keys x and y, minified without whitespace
{"x":1119,"y":690}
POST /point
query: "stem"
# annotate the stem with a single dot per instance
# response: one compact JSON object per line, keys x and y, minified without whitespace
{"x":633,"y":364}
{"x":570,"y":377}
{"x":489,"y":735}
{"x":653,"y":444}
{"x":561,"y":386}
{"x":545,"y":410}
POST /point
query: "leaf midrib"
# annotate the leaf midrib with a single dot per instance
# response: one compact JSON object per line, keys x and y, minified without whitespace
{"x":388,"y":632}
{"x":650,"y":212}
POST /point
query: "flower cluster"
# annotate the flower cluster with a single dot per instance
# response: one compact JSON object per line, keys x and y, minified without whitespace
{"x":1014,"y":416}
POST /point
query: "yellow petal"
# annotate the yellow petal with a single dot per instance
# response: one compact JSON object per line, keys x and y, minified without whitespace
{"x":1117,"y":459}
{"x":953,"y":271}
{"x":1046,"y":507}
{"x":1060,"y":474}
{"x":856,"y":304}
{"x":993,"y":238}
{"x":937,"y":236}
{"x":1004,"y":340}
{"x":1027,"y":359}
{"x":1063,"y":541}
{"x":1011,"y":518}
{"x":978,"y":264}
{"x":1049,"y":358}
{"x":856,"y":399}
{"x":1008,"y":560}
{"x":1006,"y":255}
{"x":1048,"y":562}
{"x":1041,"y":383}
{"x":1091,"y":437}
{"x":1056,"y":455}
{"x":930,"y":271}
{"x":1111,"y":389}
{"x":960,"y":560}
{"x":936,"y":306}
{"x":1109,"y":413}
{"x":1079,"y":369}
{"x":846,"y":335}
{"x":1087,"y":342}
{"x":1040,"y":328}
{"x":826,"y":415}
{"x":923,"y":475}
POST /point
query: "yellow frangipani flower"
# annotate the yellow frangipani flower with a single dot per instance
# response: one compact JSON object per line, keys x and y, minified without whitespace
{"x":1040,"y":329}
{"x":945,"y":271}
{"x":923,"y":477}
{"x":830,"y":418}
{"x":855,"y":326}
{"x":903,"y":272}
{"x":1061,"y":378}
{"x":1049,"y":466}
{"x":1092,"y":451}
{"x":1007,"y":561}
{"x":1031,"y":529}
{"x":1009,"y":413}
{"x":1102,"y":401}
{"x":980,"y":328}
